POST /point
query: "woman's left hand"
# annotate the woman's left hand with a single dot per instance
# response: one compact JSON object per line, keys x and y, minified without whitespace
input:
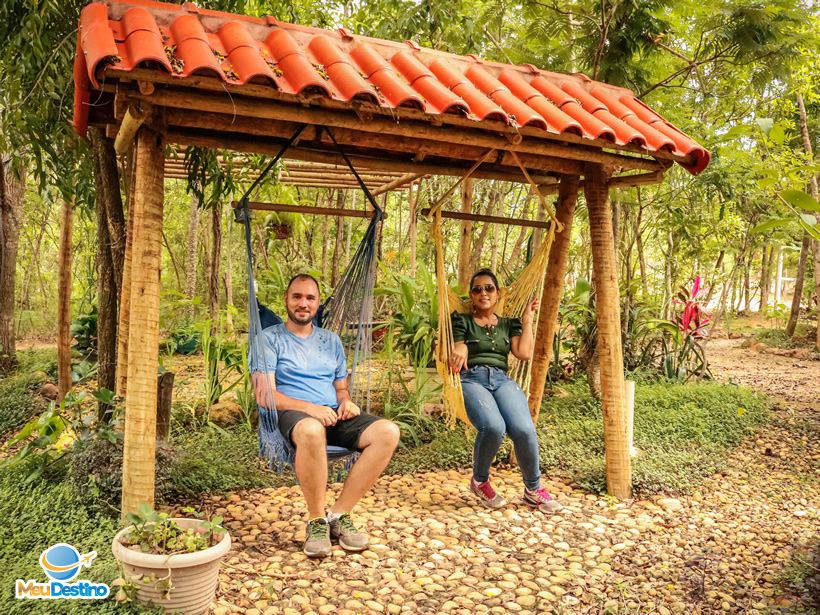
{"x":530,"y":310}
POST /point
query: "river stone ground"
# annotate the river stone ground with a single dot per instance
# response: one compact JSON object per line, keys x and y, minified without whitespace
{"x":726,"y":548}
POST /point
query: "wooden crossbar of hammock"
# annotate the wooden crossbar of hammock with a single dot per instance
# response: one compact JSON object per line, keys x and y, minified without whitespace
{"x":512,"y":301}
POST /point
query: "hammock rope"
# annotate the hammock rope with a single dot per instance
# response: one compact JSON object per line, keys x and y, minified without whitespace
{"x":512,"y":301}
{"x":348,"y":312}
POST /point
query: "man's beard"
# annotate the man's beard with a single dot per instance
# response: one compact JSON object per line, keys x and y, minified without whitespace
{"x":301,"y":320}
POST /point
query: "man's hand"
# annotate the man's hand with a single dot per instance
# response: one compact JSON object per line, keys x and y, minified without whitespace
{"x":263,"y":388}
{"x":348,"y":410}
{"x":324,"y":414}
{"x":458,"y":357}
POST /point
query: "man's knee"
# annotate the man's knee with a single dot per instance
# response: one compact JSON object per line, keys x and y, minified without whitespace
{"x":383,"y":432}
{"x":309,"y":433}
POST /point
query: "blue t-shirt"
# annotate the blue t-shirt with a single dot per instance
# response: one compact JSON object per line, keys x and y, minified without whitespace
{"x":305,"y":368}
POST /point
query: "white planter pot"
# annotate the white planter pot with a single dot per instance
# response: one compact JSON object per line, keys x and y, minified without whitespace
{"x":193,"y":577}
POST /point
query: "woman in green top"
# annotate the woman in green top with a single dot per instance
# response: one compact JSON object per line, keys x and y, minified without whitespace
{"x":495,"y":404}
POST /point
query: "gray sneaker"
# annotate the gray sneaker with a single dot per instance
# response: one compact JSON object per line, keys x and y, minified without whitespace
{"x":317,"y":538}
{"x":350,"y":538}
{"x":542,"y":500}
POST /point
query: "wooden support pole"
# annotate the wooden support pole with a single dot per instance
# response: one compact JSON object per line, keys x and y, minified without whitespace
{"x":608,"y":315}
{"x":551,"y":295}
{"x":124,"y":316}
{"x":139,"y":454}
{"x":64,"y":301}
{"x":308,"y":210}
{"x":131,"y":123}
{"x":457,"y":215}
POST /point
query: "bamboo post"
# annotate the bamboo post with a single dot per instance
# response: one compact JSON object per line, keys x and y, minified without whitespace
{"x":139,"y":455}
{"x":608,"y":315}
{"x":551,"y":295}
{"x":64,"y":301}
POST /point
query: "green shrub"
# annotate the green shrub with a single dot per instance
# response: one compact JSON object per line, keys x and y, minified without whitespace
{"x":95,"y":474}
{"x":214,"y":460}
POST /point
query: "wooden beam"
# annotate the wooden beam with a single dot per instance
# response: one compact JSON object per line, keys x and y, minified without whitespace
{"x":267,"y":147}
{"x":365,"y":109}
{"x":458,"y":215}
{"x":139,"y":453}
{"x":307,"y":210}
{"x":551,"y":295}
{"x":238,"y":110}
{"x":131,"y":122}
{"x":398,"y":183}
{"x":377,"y":144}
{"x":608,"y":316}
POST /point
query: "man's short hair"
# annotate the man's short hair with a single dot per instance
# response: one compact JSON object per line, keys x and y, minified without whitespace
{"x":301,"y":277}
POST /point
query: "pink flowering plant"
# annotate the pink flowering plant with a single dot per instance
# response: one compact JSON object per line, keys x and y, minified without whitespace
{"x":683,"y":355}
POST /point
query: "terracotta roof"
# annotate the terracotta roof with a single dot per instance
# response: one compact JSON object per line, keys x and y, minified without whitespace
{"x":185,"y":40}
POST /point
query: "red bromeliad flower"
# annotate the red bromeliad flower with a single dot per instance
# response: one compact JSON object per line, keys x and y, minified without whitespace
{"x":694,"y":319}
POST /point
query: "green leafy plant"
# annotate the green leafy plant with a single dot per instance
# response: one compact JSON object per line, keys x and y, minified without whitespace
{"x":183,"y":340}
{"x":84,"y":331}
{"x":44,"y":441}
{"x":156,"y":532}
{"x":417,"y":427}
{"x":223,"y":366}
{"x":415,"y":317}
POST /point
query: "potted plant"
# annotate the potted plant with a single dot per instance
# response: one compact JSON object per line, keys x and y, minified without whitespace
{"x":170,"y":562}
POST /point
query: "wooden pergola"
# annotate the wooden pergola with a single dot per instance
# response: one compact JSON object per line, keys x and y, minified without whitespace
{"x":156,"y":74}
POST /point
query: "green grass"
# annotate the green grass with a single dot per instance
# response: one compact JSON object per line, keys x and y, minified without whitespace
{"x":683,"y":432}
{"x":35,"y":519}
{"x":19,"y":400}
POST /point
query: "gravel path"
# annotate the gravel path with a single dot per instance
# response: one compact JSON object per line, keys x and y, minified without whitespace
{"x":726,"y":548}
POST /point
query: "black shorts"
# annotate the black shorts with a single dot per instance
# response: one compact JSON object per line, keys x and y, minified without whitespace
{"x":344,"y":433}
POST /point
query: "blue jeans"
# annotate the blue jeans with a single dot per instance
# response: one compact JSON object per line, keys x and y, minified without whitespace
{"x":496,"y":405}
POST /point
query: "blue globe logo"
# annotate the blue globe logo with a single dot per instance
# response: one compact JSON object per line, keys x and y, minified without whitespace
{"x":61,"y":562}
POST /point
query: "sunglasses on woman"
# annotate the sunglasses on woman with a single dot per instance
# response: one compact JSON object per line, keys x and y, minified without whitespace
{"x":487,"y":288}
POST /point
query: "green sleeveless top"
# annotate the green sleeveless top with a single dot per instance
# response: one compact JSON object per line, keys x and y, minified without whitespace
{"x":487,"y":346}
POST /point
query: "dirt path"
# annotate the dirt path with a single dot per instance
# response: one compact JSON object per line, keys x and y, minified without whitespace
{"x":727,"y":548}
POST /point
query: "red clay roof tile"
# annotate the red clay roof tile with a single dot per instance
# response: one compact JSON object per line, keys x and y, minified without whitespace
{"x":238,"y":49}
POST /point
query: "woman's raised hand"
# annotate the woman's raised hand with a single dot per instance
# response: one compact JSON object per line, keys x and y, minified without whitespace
{"x":458,"y":357}
{"x":530,"y":310}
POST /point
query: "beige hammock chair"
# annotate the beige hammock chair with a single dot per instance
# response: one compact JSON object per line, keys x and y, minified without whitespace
{"x":512,"y":301}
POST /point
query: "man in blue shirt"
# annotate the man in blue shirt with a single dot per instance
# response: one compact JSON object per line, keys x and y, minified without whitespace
{"x":304,"y":376}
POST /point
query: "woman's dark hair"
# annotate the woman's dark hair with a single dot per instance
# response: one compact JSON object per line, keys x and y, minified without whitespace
{"x":488,"y":273}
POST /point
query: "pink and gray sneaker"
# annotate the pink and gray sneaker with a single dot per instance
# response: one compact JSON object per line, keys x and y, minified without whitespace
{"x":487,"y":494}
{"x":542,"y":500}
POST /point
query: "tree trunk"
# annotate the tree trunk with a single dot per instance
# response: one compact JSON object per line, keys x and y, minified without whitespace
{"x":804,"y":131}
{"x":766,"y":277}
{"x":798,"y":285}
{"x":190,"y":255}
{"x":466,"y":234}
{"x":668,"y":275}
{"x":607,"y":310}
{"x":747,"y":282}
{"x":551,"y":295}
{"x":338,"y":246}
{"x":412,"y":232}
{"x":714,"y":277}
{"x":228,"y":279}
{"x":139,"y":453}
{"x":12,"y":190}
{"x":124,"y":327}
{"x":110,"y":254}
{"x":639,"y":247}
{"x":778,"y":278}
{"x":64,"y":301}
{"x":214,"y":269}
